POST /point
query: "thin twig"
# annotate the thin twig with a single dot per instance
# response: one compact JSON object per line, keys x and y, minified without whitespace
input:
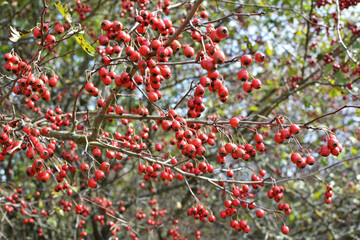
{"x":339,"y":34}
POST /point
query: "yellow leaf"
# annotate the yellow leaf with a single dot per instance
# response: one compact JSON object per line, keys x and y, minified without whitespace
{"x":269,"y":48}
{"x":318,"y":213}
{"x":59,"y":211}
{"x":254,"y":108}
{"x":354,"y":151}
{"x":85,"y":45}
{"x":64,"y":11}
{"x":178,"y":204}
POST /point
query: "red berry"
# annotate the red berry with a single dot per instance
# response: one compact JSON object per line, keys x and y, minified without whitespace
{"x":246,"y":60}
{"x":247,"y":87}
{"x":294,"y":129}
{"x":259,"y":57}
{"x":99,"y":175}
{"x":256,"y":83}
{"x":260,"y":213}
{"x":285,"y":229}
{"x":243,"y":75}
{"x":310,"y":160}
{"x":92,"y":183}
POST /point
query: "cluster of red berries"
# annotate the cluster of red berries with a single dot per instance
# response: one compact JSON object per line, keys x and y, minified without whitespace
{"x":240,"y":226}
{"x":285,"y":133}
{"x":28,"y":83}
{"x":155,"y":214}
{"x":99,"y":174}
{"x":284,"y":207}
{"x":100,"y":219}
{"x":37,"y":168}
{"x":56,"y":120}
{"x":277,"y":192}
{"x":114,"y":228}
{"x":343,"y":4}
{"x":201,"y":213}
{"x":82,"y":9}
{"x":195,"y":104}
{"x":49,"y":38}
{"x":257,"y":178}
{"x":231,"y":206}
{"x":190,"y":144}
{"x":328,"y":58}
{"x":60,"y":187}
{"x":300,"y":162}
{"x":15,"y":65}
{"x":197,"y":234}
{"x":243,"y":193}
{"x":237,"y":151}
{"x":293,"y":81}
{"x":243,"y":75}
{"x":66,"y":205}
{"x":28,"y":221}
{"x":104,"y":204}
{"x":140,"y":215}
{"x":152,"y":172}
{"x":209,"y":62}
{"x":333,"y":147}
{"x":328,"y":194}
{"x":354,"y":29}
{"x":202,"y":168}
{"x":82,"y":209}
{"x":174,"y":232}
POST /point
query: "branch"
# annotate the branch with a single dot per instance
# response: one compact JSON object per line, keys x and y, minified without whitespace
{"x":339,"y":34}
{"x":187,"y":93}
{"x":235,"y":14}
{"x":184,"y":24}
{"x":318,"y":171}
{"x":331,"y":113}
{"x":276,"y":8}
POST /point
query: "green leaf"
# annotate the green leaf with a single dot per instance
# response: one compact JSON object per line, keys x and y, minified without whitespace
{"x":254,"y":108}
{"x":64,"y":11}
{"x":270,"y":83}
{"x":328,"y":68}
{"x":324,"y":161}
{"x":269,"y":48}
{"x":346,"y":164}
{"x":354,"y":151}
{"x":334,"y":92}
{"x":85,"y":45}
{"x":59,"y":211}
{"x":220,"y":111}
{"x":332,"y":81}
{"x":317,"y":195}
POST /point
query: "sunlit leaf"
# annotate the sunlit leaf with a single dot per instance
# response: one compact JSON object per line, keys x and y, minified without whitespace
{"x":85,"y":45}
{"x":16,"y":34}
{"x":334,"y":92}
{"x":64,"y":11}
{"x":269,"y":48}
{"x":354,"y":151}
{"x":254,"y":108}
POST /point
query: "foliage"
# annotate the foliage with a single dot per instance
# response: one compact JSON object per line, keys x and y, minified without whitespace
{"x":309,"y":78}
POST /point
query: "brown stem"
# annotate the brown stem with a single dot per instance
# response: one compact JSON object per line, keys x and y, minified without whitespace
{"x":331,"y":113}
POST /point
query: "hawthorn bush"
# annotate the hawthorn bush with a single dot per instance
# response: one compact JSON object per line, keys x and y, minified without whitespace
{"x":179,"y":119}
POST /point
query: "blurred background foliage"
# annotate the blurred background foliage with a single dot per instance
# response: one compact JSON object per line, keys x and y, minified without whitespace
{"x":297,"y":83}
